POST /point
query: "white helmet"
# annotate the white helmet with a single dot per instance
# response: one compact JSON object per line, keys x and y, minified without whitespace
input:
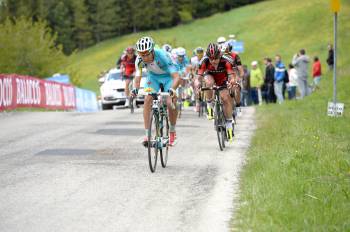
{"x":180,"y":51}
{"x":145,"y":44}
{"x":221,"y":40}
{"x":223,"y":47}
{"x":167,"y":48}
{"x":254,"y":63}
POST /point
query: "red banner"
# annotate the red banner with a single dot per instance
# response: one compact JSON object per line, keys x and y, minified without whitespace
{"x":24,"y":91}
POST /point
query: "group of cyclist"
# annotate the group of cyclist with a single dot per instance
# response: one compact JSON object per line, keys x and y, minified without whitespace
{"x":171,"y":68}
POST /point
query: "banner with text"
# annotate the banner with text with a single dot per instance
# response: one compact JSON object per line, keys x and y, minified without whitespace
{"x":17,"y":91}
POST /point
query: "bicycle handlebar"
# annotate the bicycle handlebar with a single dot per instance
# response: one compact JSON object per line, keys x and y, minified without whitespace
{"x":158,"y":94}
{"x":214,"y":88}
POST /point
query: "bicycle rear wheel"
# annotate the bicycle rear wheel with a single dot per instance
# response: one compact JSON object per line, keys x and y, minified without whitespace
{"x":153,"y":134}
{"x":164,"y":133}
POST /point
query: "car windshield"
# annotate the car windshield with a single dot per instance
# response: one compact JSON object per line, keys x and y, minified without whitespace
{"x":114,"y":76}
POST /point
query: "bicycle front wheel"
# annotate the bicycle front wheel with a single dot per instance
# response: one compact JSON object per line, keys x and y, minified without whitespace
{"x":218,"y":126}
{"x":223,"y":129}
{"x":153,"y":134}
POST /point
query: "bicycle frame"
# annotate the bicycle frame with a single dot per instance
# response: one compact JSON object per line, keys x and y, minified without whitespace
{"x":160,"y":110}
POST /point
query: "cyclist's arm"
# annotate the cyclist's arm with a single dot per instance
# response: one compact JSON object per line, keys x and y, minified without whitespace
{"x":238,"y":63}
{"x":176,"y":80}
{"x":138,"y":74}
{"x":232,"y":78}
{"x":202,"y":67}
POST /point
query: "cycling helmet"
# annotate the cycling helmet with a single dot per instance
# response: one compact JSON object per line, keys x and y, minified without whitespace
{"x":199,"y":50}
{"x":180,"y":51}
{"x":167,"y":48}
{"x":221,"y":40}
{"x":145,"y":44}
{"x":224,"y":47}
{"x":130,"y":49}
{"x":213,"y":51}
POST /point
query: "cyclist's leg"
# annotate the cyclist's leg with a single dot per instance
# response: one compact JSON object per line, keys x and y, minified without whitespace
{"x":151,"y":86}
{"x":172,"y":111}
{"x":127,"y":86}
{"x":228,"y":110}
{"x":197,"y":93}
{"x":237,"y":95}
{"x":227,"y":102}
{"x":209,"y":82}
{"x":167,"y":83}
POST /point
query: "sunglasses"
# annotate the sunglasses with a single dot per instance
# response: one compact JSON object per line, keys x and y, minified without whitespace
{"x":214,"y":58}
{"x":144,"y":54}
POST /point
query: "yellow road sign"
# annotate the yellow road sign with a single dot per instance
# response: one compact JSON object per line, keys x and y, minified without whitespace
{"x":335,"y":5}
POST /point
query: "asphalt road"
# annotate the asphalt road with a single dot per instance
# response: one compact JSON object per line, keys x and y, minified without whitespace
{"x":64,"y":171}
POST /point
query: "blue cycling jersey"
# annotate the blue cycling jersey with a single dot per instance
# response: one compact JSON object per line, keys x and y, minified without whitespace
{"x":161,"y":66}
{"x":158,"y":71}
{"x":181,"y":66}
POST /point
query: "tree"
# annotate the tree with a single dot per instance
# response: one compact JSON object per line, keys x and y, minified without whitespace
{"x":82,"y":31}
{"x":122,"y":13}
{"x":29,"y":48}
{"x":62,"y":22}
{"x":103,"y":18}
{"x":164,"y":14}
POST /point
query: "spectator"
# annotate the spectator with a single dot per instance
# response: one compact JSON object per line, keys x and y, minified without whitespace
{"x":245,"y":87}
{"x":269,"y":80}
{"x":316,"y":73}
{"x":256,"y":81}
{"x":330,"y":58}
{"x":300,"y":62}
{"x":280,"y":70}
{"x":292,"y":84}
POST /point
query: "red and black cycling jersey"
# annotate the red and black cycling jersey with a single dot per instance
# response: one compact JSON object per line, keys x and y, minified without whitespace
{"x":221,"y":72}
{"x":236,"y":59}
{"x":129,"y":64}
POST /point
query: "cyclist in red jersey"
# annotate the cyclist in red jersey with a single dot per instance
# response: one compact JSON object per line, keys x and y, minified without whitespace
{"x":218,"y":70}
{"x":127,"y":65}
{"x":238,"y":68}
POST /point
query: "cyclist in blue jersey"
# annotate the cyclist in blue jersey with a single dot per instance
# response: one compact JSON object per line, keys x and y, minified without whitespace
{"x":160,"y":70}
{"x":182,"y":62}
{"x":183,"y":67}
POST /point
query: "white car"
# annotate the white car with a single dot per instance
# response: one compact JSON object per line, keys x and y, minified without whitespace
{"x":113,"y":89}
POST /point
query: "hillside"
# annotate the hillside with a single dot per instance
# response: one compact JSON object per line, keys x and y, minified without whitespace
{"x":266,"y":28}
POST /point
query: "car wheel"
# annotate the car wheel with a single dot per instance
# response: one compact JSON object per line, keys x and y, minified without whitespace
{"x":105,"y":107}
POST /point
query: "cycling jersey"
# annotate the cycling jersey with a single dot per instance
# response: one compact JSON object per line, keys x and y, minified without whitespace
{"x":129,"y":64}
{"x":220,"y":74}
{"x":181,"y":66}
{"x":195,"y":62}
{"x":158,"y":71}
{"x":236,"y":59}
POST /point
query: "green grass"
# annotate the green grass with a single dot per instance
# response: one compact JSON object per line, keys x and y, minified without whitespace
{"x":297,"y":175}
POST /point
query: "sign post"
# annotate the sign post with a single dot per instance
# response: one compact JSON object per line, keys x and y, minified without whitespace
{"x":335,"y":7}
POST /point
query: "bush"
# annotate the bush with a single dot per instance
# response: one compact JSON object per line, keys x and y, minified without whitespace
{"x":29,"y":48}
